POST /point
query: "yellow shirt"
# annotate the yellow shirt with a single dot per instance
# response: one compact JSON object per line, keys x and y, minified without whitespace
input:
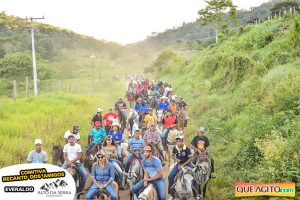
{"x":150,"y":119}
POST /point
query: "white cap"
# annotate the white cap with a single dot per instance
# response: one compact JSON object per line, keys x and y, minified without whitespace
{"x":38,"y":141}
{"x":99,"y":110}
{"x":179,"y":137}
{"x":202,"y":129}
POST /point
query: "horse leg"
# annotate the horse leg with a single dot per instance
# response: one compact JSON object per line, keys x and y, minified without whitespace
{"x":204,"y":190}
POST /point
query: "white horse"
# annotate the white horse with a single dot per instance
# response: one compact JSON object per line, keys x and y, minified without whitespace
{"x":133,"y":120}
{"x":149,"y":193}
{"x":134,"y":174}
{"x":183,"y":183}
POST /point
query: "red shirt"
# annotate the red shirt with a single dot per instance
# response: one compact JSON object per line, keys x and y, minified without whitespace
{"x":109,"y":117}
{"x":169,"y":121}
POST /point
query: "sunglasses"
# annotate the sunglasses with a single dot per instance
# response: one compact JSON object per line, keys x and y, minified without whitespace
{"x":100,"y":157}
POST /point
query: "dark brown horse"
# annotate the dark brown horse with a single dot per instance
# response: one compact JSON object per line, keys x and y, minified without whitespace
{"x":90,"y":159}
{"x":57,"y":155}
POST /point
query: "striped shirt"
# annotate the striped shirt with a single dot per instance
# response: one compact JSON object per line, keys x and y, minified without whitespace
{"x":136,"y":145}
{"x":151,"y":137}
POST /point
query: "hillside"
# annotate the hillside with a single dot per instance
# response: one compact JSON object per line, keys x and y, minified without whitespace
{"x":245,"y":91}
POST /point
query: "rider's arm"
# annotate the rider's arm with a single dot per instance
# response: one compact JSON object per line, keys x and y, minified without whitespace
{"x":112,"y":176}
{"x":158,"y":176}
{"x":79,"y":156}
{"x":66,"y":158}
{"x":188,"y":161}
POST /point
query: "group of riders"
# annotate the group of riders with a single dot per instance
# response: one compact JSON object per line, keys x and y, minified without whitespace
{"x":154,"y":114}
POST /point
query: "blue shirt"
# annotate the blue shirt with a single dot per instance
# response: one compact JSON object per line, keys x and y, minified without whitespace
{"x":152,"y":166}
{"x":136,"y":145}
{"x":102,"y":175}
{"x":163,"y":106}
{"x":117,"y":137}
{"x":98,"y":135}
{"x":182,"y":154}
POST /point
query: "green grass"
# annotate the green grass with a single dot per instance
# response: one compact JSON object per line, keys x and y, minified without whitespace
{"x":245,"y":91}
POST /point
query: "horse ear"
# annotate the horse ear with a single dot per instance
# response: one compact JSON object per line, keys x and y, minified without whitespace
{"x":125,"y":174}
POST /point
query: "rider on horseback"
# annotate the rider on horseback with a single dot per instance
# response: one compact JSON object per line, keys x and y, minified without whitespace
{"x":152,"y":137}
{"x":74,"y":132}
{"x":110,"y":150}
{"x":109,"y":118}
{"x":135,"y":148}
{"x":181,"y":103}
{"x":150,"y":118}
{"x":200,"y":144}
{"x":120,"y":105}
{"x":169,"y":122}
{"x":163,"y":104}
{"x":96,"y":135}
{"x":97,"y":117}
{"x":102,"y":175}
{"x":183,"y":157}
{"x":72,"y":155}
{"x":153,"y":173}
{"x":117,"y":136}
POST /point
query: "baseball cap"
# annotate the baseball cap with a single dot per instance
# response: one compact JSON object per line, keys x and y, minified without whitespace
{"x":76,"y":128}
{"x":99,"y":110}
{"x":202,"y":129}
{"x":38,"y":141}
{"x":109,"y":137}
{"x":97,"y":123}
{"x":179,"y":137}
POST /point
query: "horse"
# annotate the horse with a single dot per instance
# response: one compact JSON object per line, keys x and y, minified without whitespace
{"x":130,"y":98}
{"x":202,"y":170}
{"x":101,"y":195}
{"x":133,"y":121}
{"x":122,"y":118}
{"x":76,"y":176}
{"x":182,"y":187}
{"x":57,"y":155}
{"x":181,"y":119}
{"x":148,"y":193}
{"x":160,"y":115}
{"x":90,"y":159}
{"x":171,"y":143}
{"x":135,"y":174}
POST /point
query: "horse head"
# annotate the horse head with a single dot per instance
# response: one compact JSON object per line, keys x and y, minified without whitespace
{"x":135,"y":173}
{"x":202,"y":172}
{"x":57,"y":155}
{"x":149,"y":193}
{"x":160,"y":114}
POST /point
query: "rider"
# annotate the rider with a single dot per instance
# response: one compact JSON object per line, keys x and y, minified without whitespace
{"x":109,"y":118}
{"x":135,"y":148}
{"x":74,"y":132}
{"x":97,"y":116}
{"x":72,"y":155}
{"x":96,"y":135}
{"x":140,"y":106}
{"x":150,"y":118}
{"x":169,"y":122}
{"x":181,"y":103}
{"x":163,"y":104}
{"x":152,"y":136}
{"x":153,"y":173}
{"x":103,"y":175}
{"x":121,"y":106}
{"x":110,"y":150}
{"x":197,"y":145}
{"x":37,"y":155}
{"x":173,"y":106}
{"x":117,"y":136}
{"x":183,"y":157}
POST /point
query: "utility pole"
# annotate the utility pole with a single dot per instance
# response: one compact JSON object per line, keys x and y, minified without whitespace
{"x":33,"y":55}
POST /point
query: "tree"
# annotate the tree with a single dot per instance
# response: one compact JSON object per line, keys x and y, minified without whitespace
{"x":15,"y":65}
{"x":280,"y":7}
{"x":217,"y":13}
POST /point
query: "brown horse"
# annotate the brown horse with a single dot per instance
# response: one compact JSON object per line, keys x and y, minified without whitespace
{"x":90,"y":159}
{"x":57,"y":155}
{"x":181,"y":118}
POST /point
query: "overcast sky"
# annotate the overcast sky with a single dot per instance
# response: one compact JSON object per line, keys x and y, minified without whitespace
{"x":122,"y":21}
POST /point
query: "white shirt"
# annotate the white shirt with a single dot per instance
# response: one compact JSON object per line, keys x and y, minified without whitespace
{"x":67,"y":133}
{"x":72,"y":151}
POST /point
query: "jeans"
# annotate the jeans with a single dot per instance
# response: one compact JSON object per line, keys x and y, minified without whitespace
{"x":90,"y":147}
{"x":93,"y":190}
{"x":164,"y":135}
{"x":118,"y":169}
{"x":172,"y":175}
{"x":160,"y":186}
{"x":82,"y":171}
{"x":129,"y":156}
{"x":119,"y":151}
